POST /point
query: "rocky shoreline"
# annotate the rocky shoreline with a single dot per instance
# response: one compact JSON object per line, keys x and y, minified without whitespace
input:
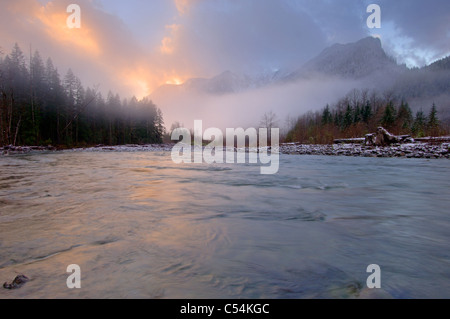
{"x":11,"y":150}
{"x":430,"y":150}
{"x":412,"y":150}
{"x":379,"y":144}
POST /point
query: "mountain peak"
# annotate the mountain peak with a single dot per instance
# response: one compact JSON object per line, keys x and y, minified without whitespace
{"x":353,"y":60}
{"x":373,"y":41}
{"x":368,"y":43}
{"x":356,"y":60}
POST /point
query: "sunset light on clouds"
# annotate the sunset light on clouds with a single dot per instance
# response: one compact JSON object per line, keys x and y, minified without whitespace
{"x":55,"y":24}
{"x":103,"y":51}
{"x":133,"y":47}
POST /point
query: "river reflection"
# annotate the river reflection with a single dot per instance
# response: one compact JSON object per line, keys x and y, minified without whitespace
{"x":141,"y":226}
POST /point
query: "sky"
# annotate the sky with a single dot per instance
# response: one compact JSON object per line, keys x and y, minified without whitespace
{"x":132,"y":47}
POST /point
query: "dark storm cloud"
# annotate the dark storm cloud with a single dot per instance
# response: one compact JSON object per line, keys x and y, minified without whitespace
{"x":342,"y":21}
{"x":248,"y":35}
{"x":425,"y":23}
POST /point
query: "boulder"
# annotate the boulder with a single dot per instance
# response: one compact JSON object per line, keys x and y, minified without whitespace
{"x":18,"y":282}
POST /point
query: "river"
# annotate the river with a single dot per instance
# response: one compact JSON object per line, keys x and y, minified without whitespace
{"x":140,"y":226}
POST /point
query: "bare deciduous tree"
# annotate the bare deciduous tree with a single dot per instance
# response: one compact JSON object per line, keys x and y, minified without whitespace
{"x":269,"y":120}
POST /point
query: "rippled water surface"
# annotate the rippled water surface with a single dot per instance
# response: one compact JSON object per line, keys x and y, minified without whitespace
{"x":140,"y":226}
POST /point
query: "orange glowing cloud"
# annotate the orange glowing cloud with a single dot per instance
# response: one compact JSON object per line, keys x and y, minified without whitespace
{"x":55,"y":22}
{"x":184,"y":5}
{"x":103,"y":51}
{"x":168,"y":44}
{"x":174,"y":81}
{"x":138,"y":80}
{"x":143,"y":82}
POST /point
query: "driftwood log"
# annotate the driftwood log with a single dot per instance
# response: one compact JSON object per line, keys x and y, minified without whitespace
{"x":384,"y":138}
{"x":381,"y":138}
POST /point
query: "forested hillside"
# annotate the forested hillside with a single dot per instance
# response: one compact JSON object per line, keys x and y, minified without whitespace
{"x":361,"y":112}
{"x":38,"y":106}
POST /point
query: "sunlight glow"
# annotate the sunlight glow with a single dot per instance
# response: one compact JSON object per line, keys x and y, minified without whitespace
{"x":174,"y":81}
{"x":56,"y":27}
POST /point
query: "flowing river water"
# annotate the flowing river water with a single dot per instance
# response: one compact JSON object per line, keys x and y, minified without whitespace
{"x":141,"y":226}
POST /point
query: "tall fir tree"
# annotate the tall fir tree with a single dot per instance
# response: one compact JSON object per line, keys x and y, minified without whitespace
{"x":433,"y":121}
{"x":419,"y":125}
{"x":389,"y":115}
{"x":404,"y":118}
{"x":327,"y":117}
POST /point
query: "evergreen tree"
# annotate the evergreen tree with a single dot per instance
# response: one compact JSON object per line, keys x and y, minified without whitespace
{"x":37,"y":94}
{"x":357,"y":114}
{"x":16,"y":95}
{"x":37,"y":107}
{"x":404,"y":118}
{"x":433,"y":121}
{"x":338,"y":119}
{"x":349,"y":114}
{"x":366,"y":112}
{"x":348,"y":117}
{"x":327,"y":117}
{"x":70,"y":89}
{"x":419,"y":124}
{"x":389,"y":115}
{"x":159,"y":123}
{"x":55,"y":99}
